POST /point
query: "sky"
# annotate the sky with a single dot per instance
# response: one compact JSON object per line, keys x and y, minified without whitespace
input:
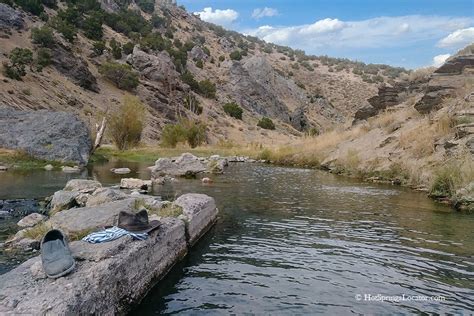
{"x":407,"y":33}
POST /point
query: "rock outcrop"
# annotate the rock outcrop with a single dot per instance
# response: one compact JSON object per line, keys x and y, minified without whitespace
{"x":73,"y":67}
{"x":45,"y":135}
{"x":10,"y":18}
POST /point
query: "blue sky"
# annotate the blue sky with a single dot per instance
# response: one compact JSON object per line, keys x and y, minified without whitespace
{"x":408,"y":33}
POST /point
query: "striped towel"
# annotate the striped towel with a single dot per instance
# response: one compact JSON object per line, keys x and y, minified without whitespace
{"x":111,"y":234}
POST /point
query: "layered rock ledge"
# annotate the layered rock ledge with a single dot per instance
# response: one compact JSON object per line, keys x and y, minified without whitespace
{"x":110,"y":277}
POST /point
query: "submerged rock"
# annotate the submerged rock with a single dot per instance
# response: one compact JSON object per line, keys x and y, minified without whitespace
{"x":120,"y":170}
{"x":45,"y":135}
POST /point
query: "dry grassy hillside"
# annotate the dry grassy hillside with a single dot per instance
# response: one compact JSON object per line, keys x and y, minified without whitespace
{"x":298,"y":92}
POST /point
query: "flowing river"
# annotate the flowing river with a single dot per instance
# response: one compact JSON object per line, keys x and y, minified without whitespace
{"x":295,"y":241}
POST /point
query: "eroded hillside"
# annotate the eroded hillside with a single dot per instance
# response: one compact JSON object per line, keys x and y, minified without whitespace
{"x":179,"y":67}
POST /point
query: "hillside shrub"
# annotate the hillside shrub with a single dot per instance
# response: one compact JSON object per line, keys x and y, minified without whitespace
{"x":98,"y":48}
{"x":43,"y":58}
{"x":42,"y":36}
{"x":207,"y":89}
{"x":126,"y":124}
{"x":266,"y":123}
{"x":67,"y":30}
{"x":115,"y":48}
{"x":192,"y":103}
{"x":92,"y":26}
{"x":199,"y":64}
{"x":35,"y":7}
{"x":233,"y":110}
{"x":121,"y":75}
{"x":190,"y":131}
{"x":19,"y":59}
{"x":147,"y":6}
{"x":188,"y":78}
{"x":235,"y":55}
{"x":128,"y":48}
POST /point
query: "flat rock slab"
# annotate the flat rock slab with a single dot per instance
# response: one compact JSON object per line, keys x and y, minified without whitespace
{"x":108,"y":277}
{"x":88,"y":218}
{"x":199,"y":213}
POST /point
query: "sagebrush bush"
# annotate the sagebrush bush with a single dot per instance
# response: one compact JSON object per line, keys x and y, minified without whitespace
{"x":42,"y":36}
{"x":126,"y":124}
{"x":234,"y":110}
{"x":19,"y":59}
{"x":190,"y":131}
{"x":121,"y":75}
{"x":207,"y":89}
{"x":266,"y":123}
{"x":235,"y":55}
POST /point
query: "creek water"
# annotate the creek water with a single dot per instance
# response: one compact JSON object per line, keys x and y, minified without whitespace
{"x":296,"y":241}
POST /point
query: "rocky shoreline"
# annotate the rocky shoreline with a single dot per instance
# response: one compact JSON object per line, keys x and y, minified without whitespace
{"x":110,"y":277}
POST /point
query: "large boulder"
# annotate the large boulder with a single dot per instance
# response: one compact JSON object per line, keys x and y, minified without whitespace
{"x":186,"y":165}
{"x":63,"y":200}
{"x":197,"y":53}
{"x":199,"y":212}
{"x":31,"y":220}
{"x":156,"y":67}
{"x":45,"y":135}
{"x":10,"y":18}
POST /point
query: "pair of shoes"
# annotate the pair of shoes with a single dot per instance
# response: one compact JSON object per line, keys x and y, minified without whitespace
{"x":56,"y":255}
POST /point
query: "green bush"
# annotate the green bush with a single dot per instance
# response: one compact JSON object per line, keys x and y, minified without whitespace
{"x":192,"y":132}
{"x":266,"y":123}
{"x":16,"y":67}
{"x":98,"y":48}
{"x":128,"y":48}
{"x":221,"y":58}
{"x":157,"y":20}
{"x":69,"y":31}
{"x":172,"y":135}
{"x":115,"y":48}
{"x":147,"y":6}
{"x":127,"y":21}
{"x":188,"y":78}
{"x":33,"y":6}
{"x":235,"y":55}
{"x":42,"y":36}
{"x":92,"y":26}
{"x":121,"y":75}
{"x":199,"y":64}
{"x":154,"y":41}
{"x":207,"y":89}
{"x":234,"y":110}
{"x":126,"y":124}
{"x":43,"y":58}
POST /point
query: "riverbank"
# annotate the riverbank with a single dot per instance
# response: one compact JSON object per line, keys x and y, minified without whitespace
{"x":448,"y":180}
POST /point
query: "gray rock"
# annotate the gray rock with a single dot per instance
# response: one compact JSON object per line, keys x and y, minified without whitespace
{"x":3,"y":168}
{"x":158,"y":68}
{"x":105,"y":195}
{"x":120,"y":170}
{"x":364,"y":113}
{"x":63,"y":200}
{"x":67,"y":169}
{"x":298,"y":119}
{"x":88,"y":218}
{"x":186,"y":165}
{"x":31,"y":220}
{"x":46,"y":135}
{"x":128,"y":268}
{"x":197,"y":53}
{"x":217,"y":166}
{"x":10,"y":18}
{"x":82,"y":185}
{"x":73,"y":67}
{"x":199,"y":213}
{"x":464,"y":198}
{"x":48,"y":167}
{"x":109,"y":5}
{"x":131,"y":183}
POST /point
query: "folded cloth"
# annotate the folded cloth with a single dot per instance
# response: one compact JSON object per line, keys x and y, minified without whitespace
{"x":111,"y":234}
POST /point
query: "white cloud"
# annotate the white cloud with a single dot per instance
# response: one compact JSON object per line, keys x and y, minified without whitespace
{"x":458,"y":38}
{"x":380,"y":32}
{"x":440,"y":59}
{"x":221,"y":17}
{"x":264,"y":12}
